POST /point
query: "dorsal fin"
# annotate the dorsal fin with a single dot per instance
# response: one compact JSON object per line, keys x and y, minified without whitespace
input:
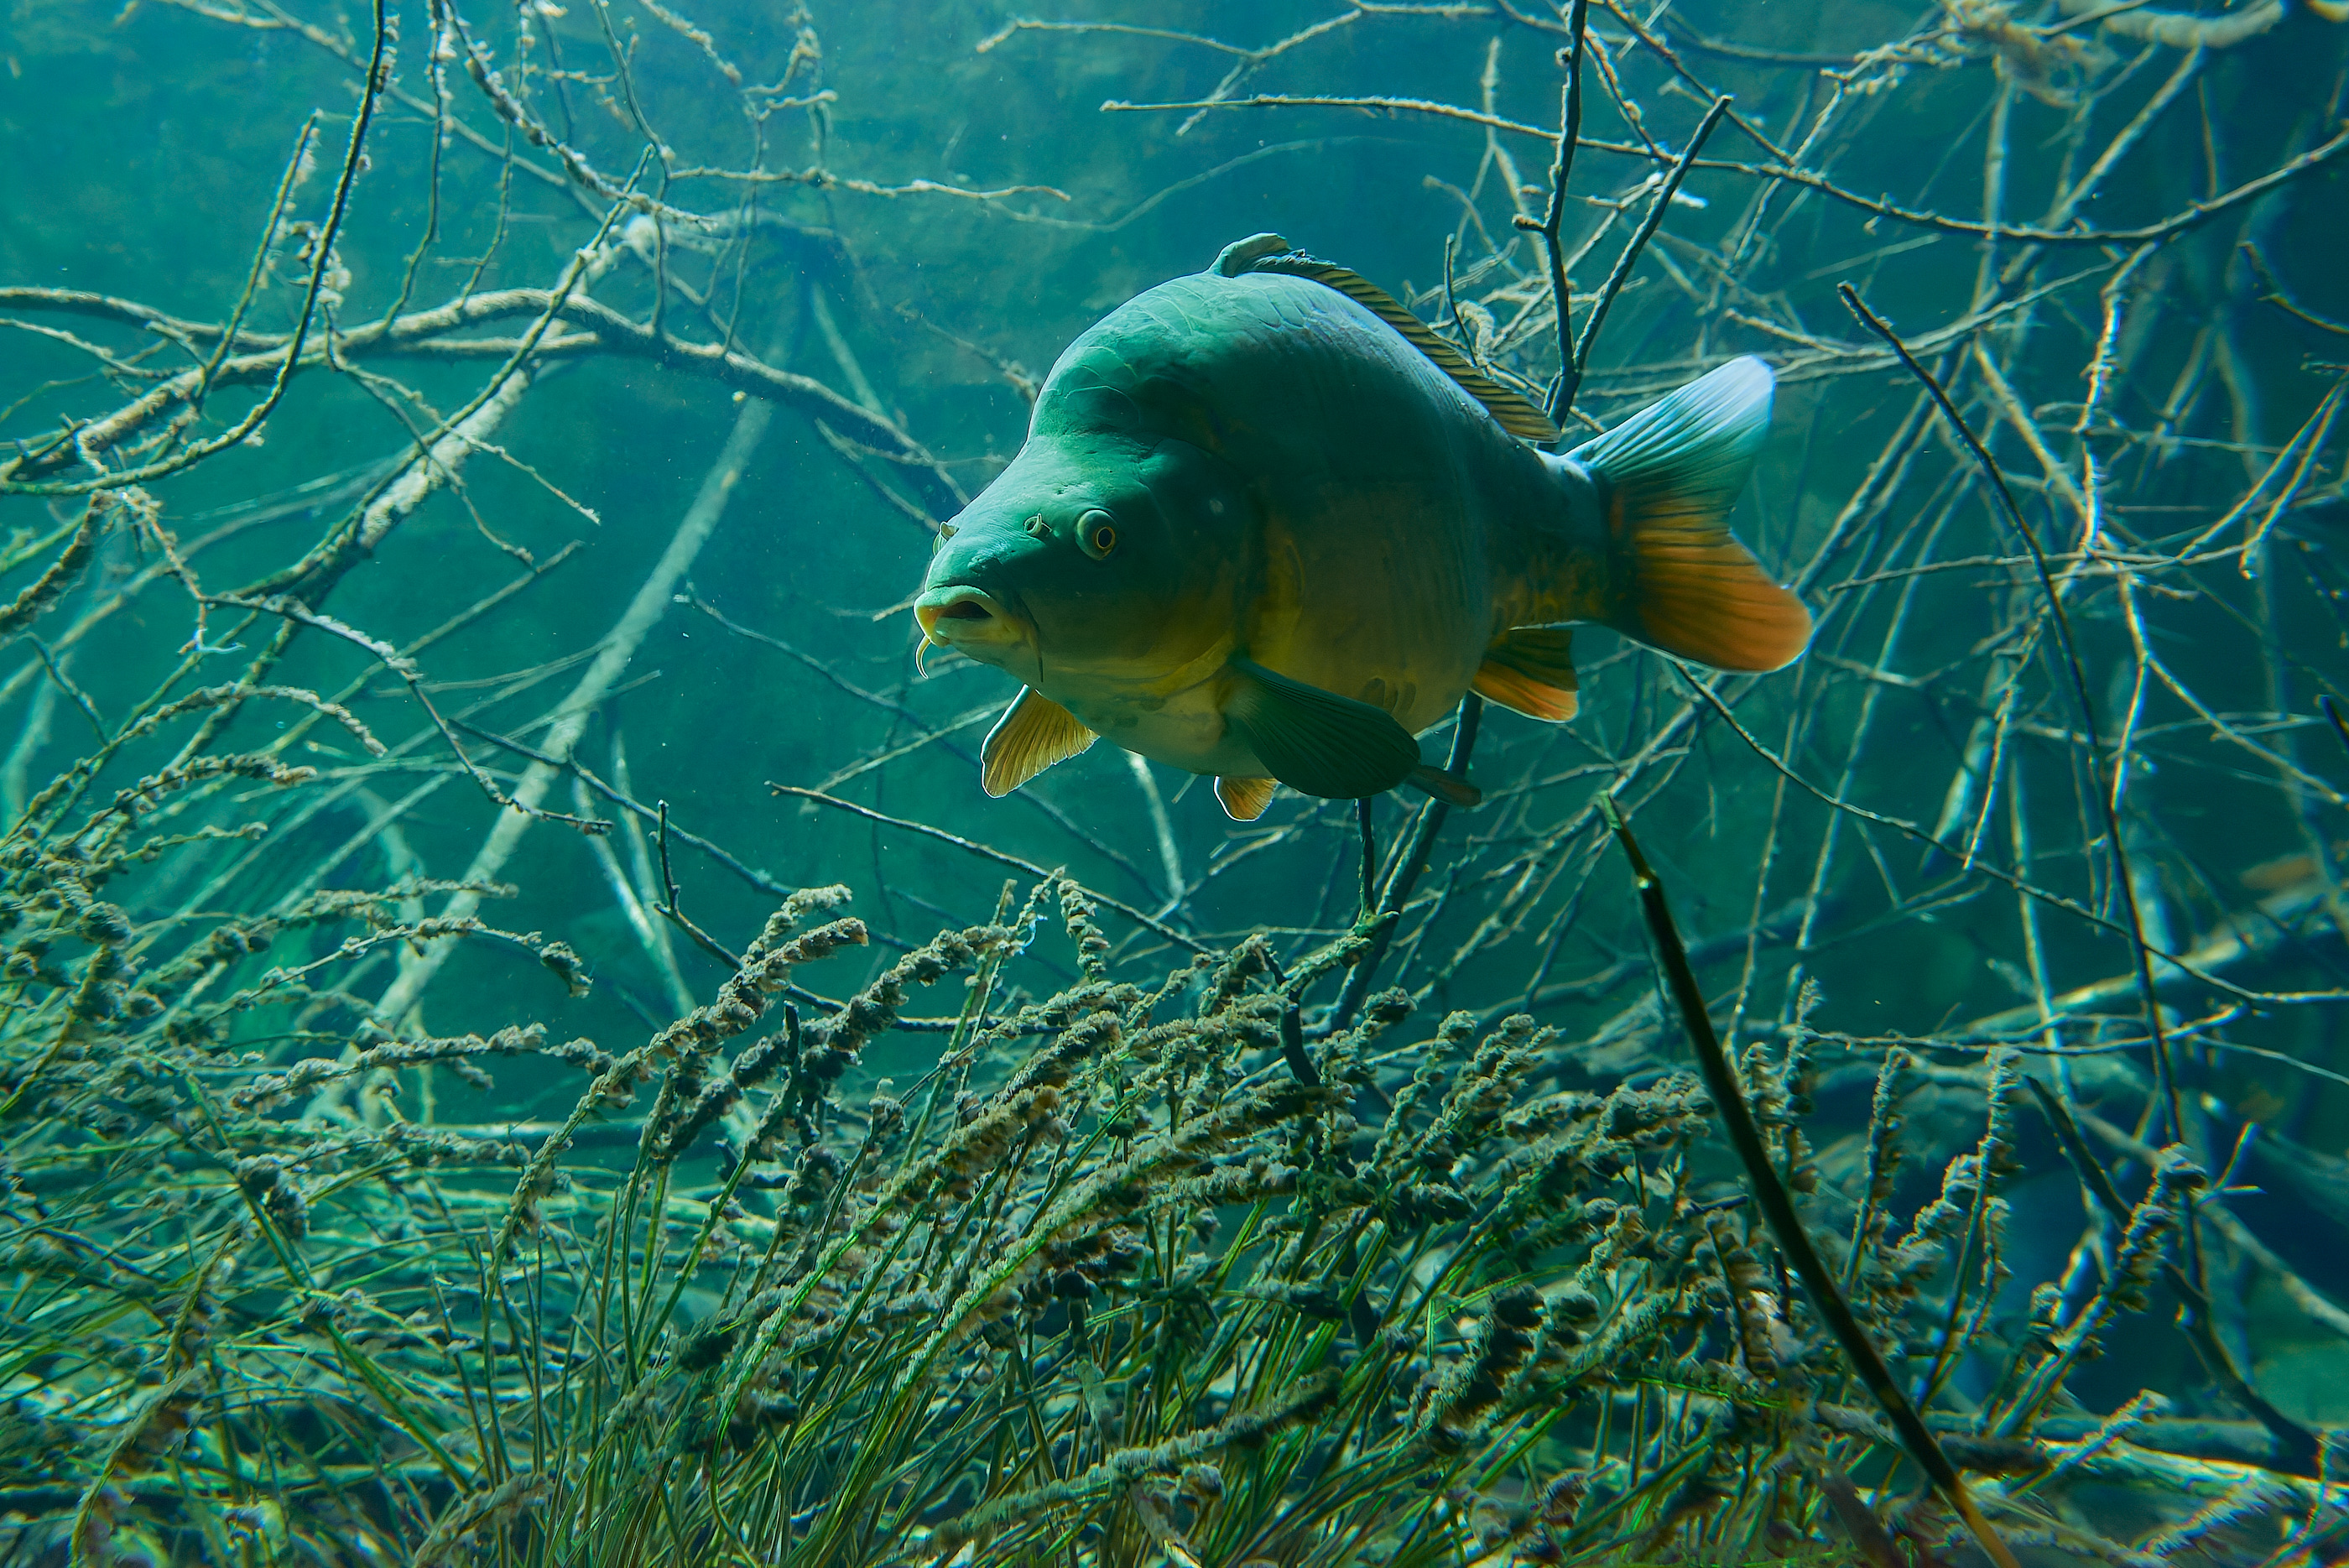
{"x":1270,"y":252}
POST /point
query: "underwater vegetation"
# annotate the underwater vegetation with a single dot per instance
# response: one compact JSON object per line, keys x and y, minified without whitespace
{"x":530,"y":1035}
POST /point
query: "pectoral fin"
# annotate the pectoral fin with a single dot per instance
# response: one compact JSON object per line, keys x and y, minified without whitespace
{"x":1033,"y":733}
{"x":1244,"y":799}
{"x":1316,"y":741}
{"x":1531,"y":670}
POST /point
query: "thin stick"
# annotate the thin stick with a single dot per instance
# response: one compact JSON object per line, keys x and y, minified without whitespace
{"x":81,"y":699}
{"x":1570,"y":136}
{"x":676,"y":916}
{"x":261,"y":253}
{"x":1403,"y":874}
{"x":1778,"y":1206}
{"x":2332,"y":713}
{"x":986,"y":851}
{"x":2164,"y":1070}
{"x":1292,"y":1047}
{"x":1648,"y":227}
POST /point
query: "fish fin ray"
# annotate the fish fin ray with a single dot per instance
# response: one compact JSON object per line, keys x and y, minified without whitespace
{"x":1270,"y":252}
{"x":1316,"y":741}
{"x":1671,"y":472}
{"x":1449,"y":788}
{"x":1530,"y":670}
{"x":1244,"y":799}
{"x":1033,"y":733}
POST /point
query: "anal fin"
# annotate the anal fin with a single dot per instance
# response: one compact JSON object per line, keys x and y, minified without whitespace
{"x":1244,"y":799}
{"x":1530,"y":670}
{"x":1033,"y":733}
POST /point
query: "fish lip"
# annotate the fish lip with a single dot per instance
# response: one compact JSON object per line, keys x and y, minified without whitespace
{"x":932,"y":605}
{"x":996,"y":623}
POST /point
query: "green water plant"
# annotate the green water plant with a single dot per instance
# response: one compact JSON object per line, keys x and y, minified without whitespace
{"x":1113,"y":1281}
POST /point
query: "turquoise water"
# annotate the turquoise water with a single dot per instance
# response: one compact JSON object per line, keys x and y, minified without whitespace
{"x":1901,"y":841}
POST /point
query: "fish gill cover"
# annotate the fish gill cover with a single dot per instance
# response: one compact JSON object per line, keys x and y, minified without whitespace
{"x":523,"y":1039}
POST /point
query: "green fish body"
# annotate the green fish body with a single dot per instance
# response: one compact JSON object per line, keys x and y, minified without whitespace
{"x":1266,"y":526}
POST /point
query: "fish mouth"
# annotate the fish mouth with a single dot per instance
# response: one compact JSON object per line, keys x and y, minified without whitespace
{"x":950,"y":615}
{"x":971,"y":622}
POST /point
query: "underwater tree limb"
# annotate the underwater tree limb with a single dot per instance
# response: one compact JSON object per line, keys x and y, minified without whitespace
{"x":581,"y":268}
{"x":1411,"y":860}
{"x":602,"y":329}
{"x":1778,"y":1206}
{"x":2108,"y":807}
{"x":2192,"y":216}
{"x":35,"y":600}
{"x":323,"y":244}
{"x":129,"y":313}
{"x":619,"y":646}
{"x":1569,"y":135}
{"x":2184,"y":31}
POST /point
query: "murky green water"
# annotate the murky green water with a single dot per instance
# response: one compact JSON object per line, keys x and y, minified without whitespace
{"x":679,"y":580}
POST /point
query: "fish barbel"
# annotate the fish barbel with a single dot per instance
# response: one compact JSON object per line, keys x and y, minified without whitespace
{"x":1267,"y":526}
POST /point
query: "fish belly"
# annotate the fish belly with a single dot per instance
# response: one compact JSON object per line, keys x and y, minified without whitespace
{"x":1183,"y":731}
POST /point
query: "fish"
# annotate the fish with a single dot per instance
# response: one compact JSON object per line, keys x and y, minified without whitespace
{"x":1267,"y":526}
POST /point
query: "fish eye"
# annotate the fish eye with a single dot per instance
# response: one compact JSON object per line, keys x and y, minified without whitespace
{"x":1097,"y":532}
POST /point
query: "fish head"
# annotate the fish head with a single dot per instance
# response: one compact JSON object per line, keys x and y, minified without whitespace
{"x":1091,"y":556}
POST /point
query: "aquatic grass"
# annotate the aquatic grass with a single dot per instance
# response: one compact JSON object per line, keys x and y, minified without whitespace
{"x":1014,"y":1332}
{"x":1776,"y":1203}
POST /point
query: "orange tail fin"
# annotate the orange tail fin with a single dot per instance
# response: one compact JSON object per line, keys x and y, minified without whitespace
{"x":1671,"y":472}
